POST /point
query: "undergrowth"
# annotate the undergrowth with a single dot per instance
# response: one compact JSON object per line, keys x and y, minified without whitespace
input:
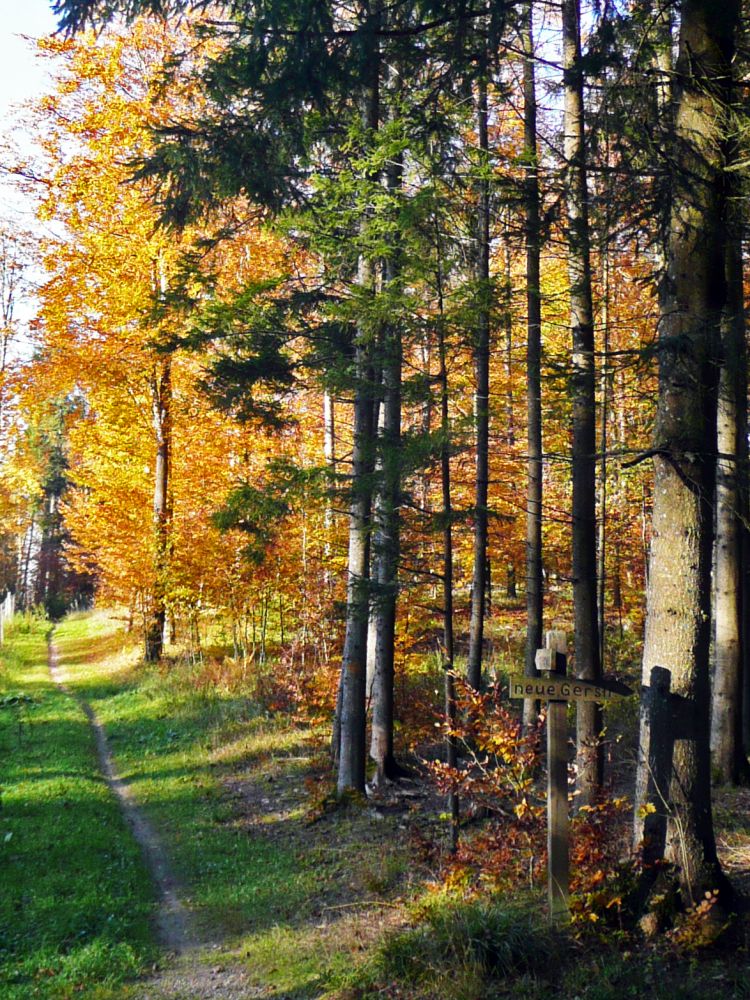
{"x":457,"y":948}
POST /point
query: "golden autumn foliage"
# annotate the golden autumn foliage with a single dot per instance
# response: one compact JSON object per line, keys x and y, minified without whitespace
{"x":108,"y":324}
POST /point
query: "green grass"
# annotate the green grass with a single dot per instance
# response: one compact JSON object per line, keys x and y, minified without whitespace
{"x":224,"y":785}
{"x":166,"y":735}
{"x":180,"y":744}
{"x":312,"y":909}
{"x":491,"y":947}
{"x":461,"y":949}
{"x":75,"y":900}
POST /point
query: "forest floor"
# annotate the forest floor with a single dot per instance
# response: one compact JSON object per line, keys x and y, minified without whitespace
{"x":167,"y":838}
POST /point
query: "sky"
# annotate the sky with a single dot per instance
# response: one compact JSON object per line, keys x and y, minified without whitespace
{"x":20,"y":77}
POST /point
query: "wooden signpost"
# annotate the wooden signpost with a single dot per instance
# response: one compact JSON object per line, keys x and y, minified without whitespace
{"x":558,"y":689}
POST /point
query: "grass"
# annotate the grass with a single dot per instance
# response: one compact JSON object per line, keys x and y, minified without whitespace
{"x":492,"y":947}
{"x":225,"y":785}
{"x":322,"y":903}
{"x":459,"y":948}
{"x":75,"y":901}
{"x":172,"y":742}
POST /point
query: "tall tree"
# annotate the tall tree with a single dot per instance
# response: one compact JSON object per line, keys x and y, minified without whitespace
{"x":481,"y":375}
{"x":351,"y":750}
{"x":446,"y":518}
{"x":387,"y":512}
{"x":161,"y":406}
{"x":679,"y":584}
{"x":583,"y":388}
{"x":534,"y":581}
{"x":728,"y":760}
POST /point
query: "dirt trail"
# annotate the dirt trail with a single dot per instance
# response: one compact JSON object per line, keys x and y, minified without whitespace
{"x":188,"y":974}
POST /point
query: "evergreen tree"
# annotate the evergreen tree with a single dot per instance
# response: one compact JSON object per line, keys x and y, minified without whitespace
{"x":680,"y":826}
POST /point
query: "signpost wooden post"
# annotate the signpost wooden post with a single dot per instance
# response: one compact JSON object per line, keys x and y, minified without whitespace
{"x":556,"y":688}
{"x":551,"y":660}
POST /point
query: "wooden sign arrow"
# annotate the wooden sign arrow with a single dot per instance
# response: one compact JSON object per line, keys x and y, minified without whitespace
{"x":557,"y":687}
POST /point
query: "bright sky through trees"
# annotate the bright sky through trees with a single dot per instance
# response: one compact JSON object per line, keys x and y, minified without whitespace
{"x":22,"y":74}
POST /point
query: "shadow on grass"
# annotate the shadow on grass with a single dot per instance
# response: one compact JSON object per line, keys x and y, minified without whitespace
{"x":224,"y":786}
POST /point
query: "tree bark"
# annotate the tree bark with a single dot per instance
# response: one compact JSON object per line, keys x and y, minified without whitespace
{"x":534,"y":583}
{"x":728,"y":760}
{"x":482,"y":391}
{"x":162,"y":424}
{"x":352,"y":717}
{"x":679,"y":586}
{"x":583,"y":387}
{"x":451,"y":747}
{"x":388,"y":523}
{"x":329,"y":452}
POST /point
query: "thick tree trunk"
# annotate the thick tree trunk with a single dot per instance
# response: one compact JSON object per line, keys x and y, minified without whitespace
{"x":728,"y":760}
{"x":381,"y":747}
{"x":679,"y":587}
{"x":351,"y":755}
{"x":162,"y":424}
{"x":583,"y":387}
{"x":481,"y":396}
{"x":534,"y":585}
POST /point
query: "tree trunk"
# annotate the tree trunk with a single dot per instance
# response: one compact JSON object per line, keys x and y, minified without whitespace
{"x":482,"y":392}
{"x":583,"y":387}
{"x":351,"y":756}
{"x":352,"y":716}
{"x":24,"y":595}
{"x":728,"y":760}
{"x":604,"y":383}
{"x":162,"y":424}
{"x":679,"y":586}
{"x":388,"y":520}
{"x":534,"y":583}
{"x":451,"y":755}
{"x":329,"y":452}
{"x":510,"y":409}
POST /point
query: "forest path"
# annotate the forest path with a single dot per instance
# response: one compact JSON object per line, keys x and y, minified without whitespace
{"x":188,"y":974}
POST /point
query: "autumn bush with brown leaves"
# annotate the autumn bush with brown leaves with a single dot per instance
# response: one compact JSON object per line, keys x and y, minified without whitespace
{"x":503,"y":843}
